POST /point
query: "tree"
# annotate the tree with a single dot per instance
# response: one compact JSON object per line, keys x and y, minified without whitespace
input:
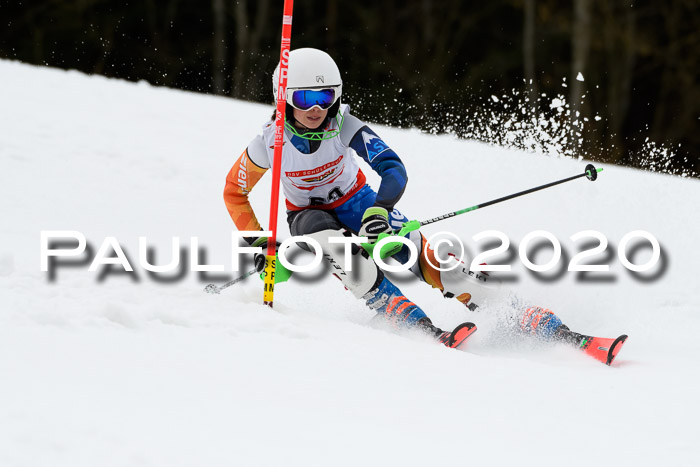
{"x":529,"y":50}
{"x":249,"y":32}
{"x":219,"y":47}
{"x":580,"y":45}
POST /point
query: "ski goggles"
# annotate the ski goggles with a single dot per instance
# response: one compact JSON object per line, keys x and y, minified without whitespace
{"x":306,"y":99}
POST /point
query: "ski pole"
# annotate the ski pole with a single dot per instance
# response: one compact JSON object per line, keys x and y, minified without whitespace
{"x":591,"y":173}
{"x":215,"y":289}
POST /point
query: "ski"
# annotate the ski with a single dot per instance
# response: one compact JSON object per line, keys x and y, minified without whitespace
{"x":602,"y":349}
{"x":457,"y":338}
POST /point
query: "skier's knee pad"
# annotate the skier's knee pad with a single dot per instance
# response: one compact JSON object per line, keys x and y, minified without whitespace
{"x":540,"y":321}
{"x":359,"y":278}
{"x":312,"y":220}
{"x":322,"y":226}
{"x":473,"y":288}
{"x":470,"y":287}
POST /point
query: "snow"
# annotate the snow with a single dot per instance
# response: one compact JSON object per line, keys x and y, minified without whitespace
{"x":129,"y":370}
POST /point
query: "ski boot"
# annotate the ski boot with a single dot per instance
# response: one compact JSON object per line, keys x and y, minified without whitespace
{"x":546,"y":325}
{"x":393,"y":306}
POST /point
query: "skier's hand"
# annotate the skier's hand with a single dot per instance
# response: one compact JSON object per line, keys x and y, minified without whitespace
{"x":259,"y":258}
{"x":375,"y":221}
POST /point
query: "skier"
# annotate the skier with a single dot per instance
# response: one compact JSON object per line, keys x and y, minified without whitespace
{"x":326,"y":196}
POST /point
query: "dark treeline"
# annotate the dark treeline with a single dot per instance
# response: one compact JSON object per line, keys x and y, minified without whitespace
{"x":421,"y":63}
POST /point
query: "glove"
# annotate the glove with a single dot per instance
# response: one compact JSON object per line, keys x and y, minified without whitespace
{"x":375,"y":221}
{"x":259,"y":258}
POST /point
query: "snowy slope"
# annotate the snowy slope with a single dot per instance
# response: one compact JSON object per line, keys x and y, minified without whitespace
{"x":130,"y":371}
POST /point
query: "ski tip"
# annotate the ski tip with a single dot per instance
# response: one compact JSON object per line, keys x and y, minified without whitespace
{"x":615,"y":348}
{"x":603,"y":349}
{"x":460,"y":334}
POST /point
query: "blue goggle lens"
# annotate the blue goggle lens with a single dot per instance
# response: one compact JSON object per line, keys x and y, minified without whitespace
{"x":304,"y":99}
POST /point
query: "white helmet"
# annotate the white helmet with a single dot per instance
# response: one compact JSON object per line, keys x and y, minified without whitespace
{"x":309,"y":69}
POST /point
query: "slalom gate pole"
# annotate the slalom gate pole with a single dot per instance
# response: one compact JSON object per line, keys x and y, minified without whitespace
{"x":591,"y":173}
{"x":269,"y":273}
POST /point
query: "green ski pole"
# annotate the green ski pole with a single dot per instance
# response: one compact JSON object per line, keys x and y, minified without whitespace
{"x":591,"y":173}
